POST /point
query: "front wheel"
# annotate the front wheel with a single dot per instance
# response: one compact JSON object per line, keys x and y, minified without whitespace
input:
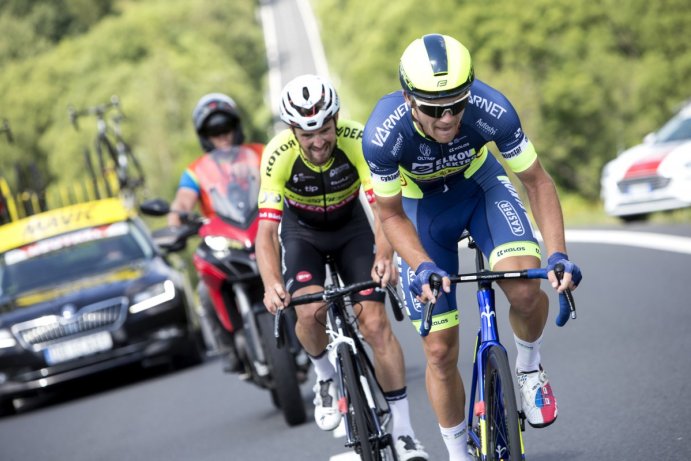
{"x":285,"y":387}
{"x":502,"y":426}
{"x":369,"y":444}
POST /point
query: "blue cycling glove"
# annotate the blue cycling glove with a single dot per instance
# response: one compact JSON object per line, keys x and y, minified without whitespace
{"x":422,"y":274}
{"x":569,"y":267}
{"x":561,"y":258}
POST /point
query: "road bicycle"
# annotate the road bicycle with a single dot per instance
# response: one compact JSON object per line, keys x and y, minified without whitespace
{"x":113,"y":155}
{"x":360,"y":397}
{"x":494,"y":421}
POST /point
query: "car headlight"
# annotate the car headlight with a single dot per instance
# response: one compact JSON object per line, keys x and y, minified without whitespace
{"x":153,"y":296}
{"x":6,"y":339}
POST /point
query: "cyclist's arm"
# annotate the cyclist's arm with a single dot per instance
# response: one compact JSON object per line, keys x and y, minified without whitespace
{"x":403,"y":237}
{"x":185,"y":200}
{"x":383,"y":260}
{"x":269,"y":263}
{"x":546,"y":209}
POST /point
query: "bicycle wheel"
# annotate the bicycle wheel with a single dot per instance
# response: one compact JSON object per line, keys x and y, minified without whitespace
{"x":382,"y":446}
{"x":286,"y":387}
{"x":502,"y":430}
{"x":357,"y":405}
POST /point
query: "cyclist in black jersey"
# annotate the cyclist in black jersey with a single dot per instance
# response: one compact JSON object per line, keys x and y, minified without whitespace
{"x":311,"y":177}
{"x":434,"y":177}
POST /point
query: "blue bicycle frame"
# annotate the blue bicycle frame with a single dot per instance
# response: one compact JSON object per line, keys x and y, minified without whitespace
{"x":488,"y":336}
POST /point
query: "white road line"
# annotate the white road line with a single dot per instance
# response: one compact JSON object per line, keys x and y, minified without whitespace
{"x":315,"y":41}
{"x":347,"y":456}
{"x":673,"y":243}
{"x":270,"y":42}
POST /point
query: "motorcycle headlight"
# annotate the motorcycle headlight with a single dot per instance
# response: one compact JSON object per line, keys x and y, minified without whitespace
{"x":6,"y":339}
{"x":153,"y":296}
{"x":216,"y":243}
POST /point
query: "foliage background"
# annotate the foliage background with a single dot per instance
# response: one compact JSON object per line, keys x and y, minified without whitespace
{"x":589,"y":79}
{"x":158,"y":56}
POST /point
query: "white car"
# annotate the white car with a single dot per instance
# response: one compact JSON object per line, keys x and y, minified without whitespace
{"x":653,"y":176}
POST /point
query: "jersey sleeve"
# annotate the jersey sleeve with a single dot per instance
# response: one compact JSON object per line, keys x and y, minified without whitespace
{"x":513,"y":144}
{"x":381,"y":147}
{"x":350,"y":137}
{"x":189,"y":181}
{"x":275,"y":166}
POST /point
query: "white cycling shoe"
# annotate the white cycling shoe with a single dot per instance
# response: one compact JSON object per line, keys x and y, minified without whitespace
{"x":410,"y":449}
{"x":326,"y":412}
{"x":537,"y":398}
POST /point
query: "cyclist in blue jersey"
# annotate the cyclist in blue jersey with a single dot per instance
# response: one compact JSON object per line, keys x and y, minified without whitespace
{"x":434,"y":176}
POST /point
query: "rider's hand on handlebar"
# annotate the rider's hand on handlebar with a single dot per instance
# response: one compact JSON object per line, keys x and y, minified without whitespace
{"x":276,"y":297}
{"x":420,"y":284}
{"x":384,"y":272}
{"x":572,"y":273}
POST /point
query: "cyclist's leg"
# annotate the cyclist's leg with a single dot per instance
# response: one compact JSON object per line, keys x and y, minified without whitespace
{"x":503,"y":232}
{"x":303,"y":272}
{"x":501,"y":228}
{"x":355,"y":259}
{"x":440,"y":220}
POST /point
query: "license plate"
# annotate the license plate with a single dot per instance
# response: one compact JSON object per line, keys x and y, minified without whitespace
{"x":79,"y":347}
{"x":639,"y":189}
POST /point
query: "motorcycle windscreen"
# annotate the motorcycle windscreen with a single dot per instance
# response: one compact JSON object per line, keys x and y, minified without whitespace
{"x":230,"y":181}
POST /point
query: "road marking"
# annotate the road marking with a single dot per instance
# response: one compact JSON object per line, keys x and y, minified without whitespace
{"x":348,"y":456}
{"x":272,"y":55}
{"x":650,"y":240}
{"x":315,"y":41}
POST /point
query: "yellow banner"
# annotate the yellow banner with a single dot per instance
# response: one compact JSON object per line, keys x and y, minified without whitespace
{"x":61,"y":220}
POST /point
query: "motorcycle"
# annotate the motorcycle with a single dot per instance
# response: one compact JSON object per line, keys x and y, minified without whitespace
{"x":231,"y":289}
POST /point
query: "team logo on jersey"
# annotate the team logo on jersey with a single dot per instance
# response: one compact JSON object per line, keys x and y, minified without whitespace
{"x":486,"y":127}
{"x":491,"y":107}
{"x":303,"y":276}
{"x":512,"y":217}
{"x":269,"y":197}
{"x":366,"y":292}
{"x":425,"y":150}
{"x":338,"y":170}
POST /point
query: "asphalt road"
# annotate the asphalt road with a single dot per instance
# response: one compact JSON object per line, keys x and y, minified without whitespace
{"x":620,"y":372}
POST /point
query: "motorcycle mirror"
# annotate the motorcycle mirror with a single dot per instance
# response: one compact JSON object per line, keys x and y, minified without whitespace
{"x":155,"y":207}
{"x":169,"y":240}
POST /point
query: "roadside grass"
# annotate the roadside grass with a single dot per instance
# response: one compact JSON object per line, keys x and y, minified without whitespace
{"x":579,"y":212}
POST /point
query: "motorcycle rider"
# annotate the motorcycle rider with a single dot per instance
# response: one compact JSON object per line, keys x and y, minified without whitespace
{"x":311,"y":176}
{"x":218,"y":124}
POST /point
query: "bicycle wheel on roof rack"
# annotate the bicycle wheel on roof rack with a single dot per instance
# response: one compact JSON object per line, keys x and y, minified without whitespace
{"x":502,"y":421}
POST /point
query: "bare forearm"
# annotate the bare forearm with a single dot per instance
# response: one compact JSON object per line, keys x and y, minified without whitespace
{"x":268,"y":260}
{"x":546,"y":209}
{"x":404,"y":239}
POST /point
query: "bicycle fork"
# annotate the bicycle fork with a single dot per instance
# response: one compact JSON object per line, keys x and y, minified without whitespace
{"x":339,"y":341}
{"x":487,"y":336}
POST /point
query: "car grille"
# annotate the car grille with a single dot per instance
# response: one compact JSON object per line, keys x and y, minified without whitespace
{"x":654,"y":182}
{"x":40,"y":332}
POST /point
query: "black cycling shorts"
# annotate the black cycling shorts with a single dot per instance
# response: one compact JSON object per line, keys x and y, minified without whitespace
{"x":305,"y":249}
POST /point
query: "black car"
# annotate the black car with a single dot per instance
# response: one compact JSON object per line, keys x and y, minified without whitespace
{"x":83,"y":289}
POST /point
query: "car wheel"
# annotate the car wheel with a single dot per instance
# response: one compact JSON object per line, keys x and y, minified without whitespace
{"x":632,"y":218}
{"x":192,"y":352}
{"x":7,"y":407}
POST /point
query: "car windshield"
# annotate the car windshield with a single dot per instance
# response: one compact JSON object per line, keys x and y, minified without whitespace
{"x":677,"y":129}
{"x":71,"y":256}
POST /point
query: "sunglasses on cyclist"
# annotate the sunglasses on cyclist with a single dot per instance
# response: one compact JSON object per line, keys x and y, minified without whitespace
{"x":438,"y":110}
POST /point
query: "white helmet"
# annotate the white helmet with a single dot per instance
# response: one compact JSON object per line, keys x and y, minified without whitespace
{"x":308,"y":101}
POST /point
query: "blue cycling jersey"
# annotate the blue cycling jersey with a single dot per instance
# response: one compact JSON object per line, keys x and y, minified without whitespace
{"x":401,"y":158}
{"x":449,"y":187}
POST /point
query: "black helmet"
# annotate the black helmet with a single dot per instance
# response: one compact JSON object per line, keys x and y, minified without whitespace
{"x":216,"y":113}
